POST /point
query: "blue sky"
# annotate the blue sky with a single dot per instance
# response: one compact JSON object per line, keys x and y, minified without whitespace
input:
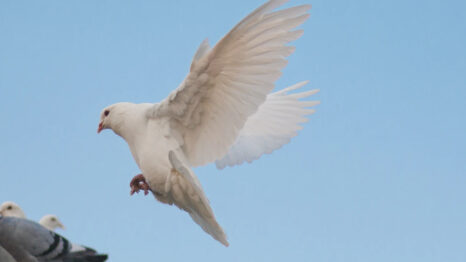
{"x":378,"y":174}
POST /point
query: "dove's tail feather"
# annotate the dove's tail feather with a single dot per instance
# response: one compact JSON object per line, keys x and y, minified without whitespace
{"x":186,"y":193}
{"x":211,"y":227}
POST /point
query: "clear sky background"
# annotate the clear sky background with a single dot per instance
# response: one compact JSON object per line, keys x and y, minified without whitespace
{"x":378,"y":174}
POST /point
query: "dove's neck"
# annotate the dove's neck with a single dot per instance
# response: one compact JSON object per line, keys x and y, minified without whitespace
{"x":47,"y":225}
{"x":17,"y":213}
{"x":131,"y":121}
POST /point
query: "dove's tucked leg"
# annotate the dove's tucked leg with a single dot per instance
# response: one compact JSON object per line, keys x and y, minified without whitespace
{"x":139,"y":183}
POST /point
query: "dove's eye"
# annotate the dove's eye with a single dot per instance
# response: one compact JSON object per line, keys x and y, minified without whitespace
{"x":106,"y":112}
{"x":9,"y":207}
{"x":53,"y":219}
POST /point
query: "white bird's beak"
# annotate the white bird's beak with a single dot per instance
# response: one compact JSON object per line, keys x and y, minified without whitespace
{"x":101,"y":126}
{"x":61,"y":226}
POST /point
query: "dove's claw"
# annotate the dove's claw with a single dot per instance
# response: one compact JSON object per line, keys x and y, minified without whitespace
{"x":137,"y":183}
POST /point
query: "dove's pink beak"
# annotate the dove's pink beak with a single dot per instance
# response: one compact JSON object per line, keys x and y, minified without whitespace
{"x":101,"y":126}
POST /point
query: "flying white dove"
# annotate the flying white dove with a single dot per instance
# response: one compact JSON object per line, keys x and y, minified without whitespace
{"x":222,"y":112}
{"x":11,"y":209}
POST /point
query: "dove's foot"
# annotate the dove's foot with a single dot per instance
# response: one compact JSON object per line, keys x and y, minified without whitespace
{"x":139,"y":183}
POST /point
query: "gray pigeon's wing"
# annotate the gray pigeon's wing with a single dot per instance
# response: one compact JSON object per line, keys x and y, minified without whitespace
{"x":28,"y":241}
{"x":5,"y":256}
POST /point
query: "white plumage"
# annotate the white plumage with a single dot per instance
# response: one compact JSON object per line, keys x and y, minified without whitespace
{"x":51,"y":222}
{"x":222,"y":112}
{"x":271,"y":127}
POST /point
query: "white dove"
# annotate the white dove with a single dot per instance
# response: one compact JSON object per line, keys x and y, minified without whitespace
{"x":11,"y":209}
{"x":51,"y":222}
{"x":223,"y":111}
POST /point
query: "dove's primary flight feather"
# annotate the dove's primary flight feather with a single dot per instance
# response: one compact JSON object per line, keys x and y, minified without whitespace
{"x":216,"y":111}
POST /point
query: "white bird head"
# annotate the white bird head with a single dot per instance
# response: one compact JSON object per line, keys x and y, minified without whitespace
{"x":51,"y":222}
{"x":112,"y":117}
{"x":122,"y":116}
{"x":11,"y":209}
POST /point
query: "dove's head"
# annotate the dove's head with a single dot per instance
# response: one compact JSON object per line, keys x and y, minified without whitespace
{"x":113,"y":116}
{"x":11,"y":209}
{"x":51,"y":222}
{"x":125,"y":119}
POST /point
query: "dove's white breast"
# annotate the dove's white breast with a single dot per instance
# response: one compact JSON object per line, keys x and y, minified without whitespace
{"x":150,"y":150}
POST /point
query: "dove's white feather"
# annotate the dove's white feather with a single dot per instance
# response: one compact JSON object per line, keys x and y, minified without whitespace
{"x":201,"y":51}
{"x":227,"y":84}
{"x":272,"y":126}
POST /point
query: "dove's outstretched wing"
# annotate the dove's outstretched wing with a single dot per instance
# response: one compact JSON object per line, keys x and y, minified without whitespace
{"x":227,"y":84}
{"x":27,"y":241}
{"x":272,"y":126}
{"x":184,"y":190}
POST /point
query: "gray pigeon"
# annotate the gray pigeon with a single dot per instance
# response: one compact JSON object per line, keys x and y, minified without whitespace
{"x":5,"y":256}
{"x":28,"y":241}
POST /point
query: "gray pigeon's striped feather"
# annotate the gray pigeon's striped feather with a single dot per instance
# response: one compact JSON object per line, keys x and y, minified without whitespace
{"x":28,"y":241}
